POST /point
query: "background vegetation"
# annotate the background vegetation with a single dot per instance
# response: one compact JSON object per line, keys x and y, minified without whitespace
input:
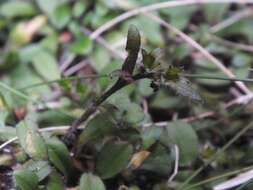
{"x":191,"y":128}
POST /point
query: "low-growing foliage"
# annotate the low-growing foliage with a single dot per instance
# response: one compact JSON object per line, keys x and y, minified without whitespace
{"x":73,"y":117}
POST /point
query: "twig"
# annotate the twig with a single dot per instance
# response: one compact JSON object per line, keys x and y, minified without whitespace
{"x":76,"y":68}
{"x":65,"y":61}
{"x":58,"y":128}
{"x":211,"y":179}
{"x":231,"y":20}
{"x":156,"y":6}
{"x":209,"y":56}
{"x":199,"y":76}
{"x":63,"y":79}
{"x":175,"y":171}
{"x":8,"y":142}
{"x":240,"y":179}
{"x":110,"y":48}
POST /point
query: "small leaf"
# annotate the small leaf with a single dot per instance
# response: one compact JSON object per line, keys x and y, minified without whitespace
{"x":89,"y":181}
{"x":61,"y":16}
{"x":113,"y":158}
{"x":173,"y":73}
{"x":30,"y":139}
{"x":150,"y":136}
{"x":214,"y":13}
{"x":158,"y":161}
{"x":59,"y":155}
{"x":148,"y":59}
{"x":97,"y":128}
{"x":55,"y":182}
{"x":182,"y":134}
{"x":82,"y":45}
{"x":16,"y":8}
{"x":133,"y":39}
{"x":129,"y":111}
{"x":46,"y":64}
{"x":6,"y":133}
{"x":26,"y":179}
{"x":41,"y":168}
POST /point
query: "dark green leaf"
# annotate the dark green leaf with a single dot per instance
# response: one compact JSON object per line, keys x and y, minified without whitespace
{"x":182,"y":134}
{"x":82,"y":45}
{"x":150,"y":136}
{"x":129,"y":111}
{"x":59,"y":155}
{"x":97,"y":128}
{"x":159,"y":161}
{"x":113,"y":158}
{"x":89,"y":181}
{"x":55,"y":182}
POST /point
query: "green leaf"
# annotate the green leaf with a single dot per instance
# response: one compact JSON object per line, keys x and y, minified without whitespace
{"x":89,"y":181}
{"x":49,"y":6}
{"x":59,"y":155}
{"x":183,"y":135}
{"x":215,"y":13}
{"x":3,"y":116}
{"x":82,"y":45}
{"x":150,"y":136}
{"x":113,"y":158}
{"x":180,"y":16}
{"x":129,"y":111}
{"x":55,"y":182}
{"x":13,"y":9}
{"x":41,"y":168}
{"x":26,"y":179}
{"x":148,"y":59}
{"x":61,"y":16}
{"x":31,"y":140}
{"x":45,"y":64}
{"x":78,"y":8}
{"x":97,"y":128}
{"x":159,"y":161}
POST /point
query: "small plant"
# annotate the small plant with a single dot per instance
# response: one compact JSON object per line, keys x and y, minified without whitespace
{"x":46,"y":160}
{"x":160,"y":75}
{"x":110,"y":150}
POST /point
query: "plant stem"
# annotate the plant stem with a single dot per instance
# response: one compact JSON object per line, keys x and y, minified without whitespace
{"x":216,"y":77}
{"x":64,"y":79}
{"x":219,"y":177}
{"x":71,"y":134}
